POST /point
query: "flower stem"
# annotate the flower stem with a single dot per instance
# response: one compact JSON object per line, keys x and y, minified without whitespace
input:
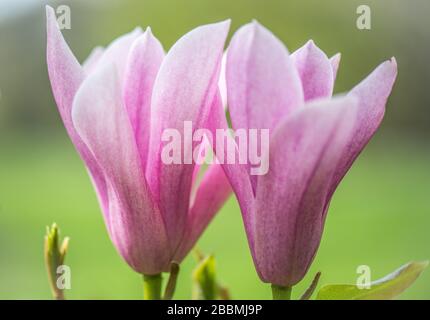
{"x":171,"y":283}
{"x":152,"y":287}
{"x":281,"y":293}
{"x":308,"y":293}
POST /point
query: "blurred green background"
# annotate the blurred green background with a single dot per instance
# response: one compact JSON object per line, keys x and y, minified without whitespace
{"x":380,"y":215}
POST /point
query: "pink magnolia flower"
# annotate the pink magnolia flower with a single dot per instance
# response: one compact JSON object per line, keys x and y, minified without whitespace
{"x":314,"y":139}
{"x":115,"y":108}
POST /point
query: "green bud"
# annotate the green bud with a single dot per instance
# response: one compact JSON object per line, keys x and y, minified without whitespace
{"x":54,"y":257}
{"x":204,"y":280}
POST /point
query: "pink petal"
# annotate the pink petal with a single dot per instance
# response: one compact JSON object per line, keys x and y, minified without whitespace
{"x":222,"y":83}
{"x":262,"y":83}
{"x":117,"y":52}
{"x":65,"y":72}
{"x":136,"y":225}
{"x":237,"y":174}
{"x":145,"y":57}
{"x":183,"y":91}
{"x":92,"y":60}
{"x":315,"y":70}
{"x":212,"y":193}
{"x":335,"y":62}
{"x":205,"y":149}
{"x":291,"y":197}
{"x":372,"y":93}
{"x":66,"y":75}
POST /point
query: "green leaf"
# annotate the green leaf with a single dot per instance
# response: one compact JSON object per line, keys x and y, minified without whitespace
{"x":205,"y":286}
{"x":386,"y":288}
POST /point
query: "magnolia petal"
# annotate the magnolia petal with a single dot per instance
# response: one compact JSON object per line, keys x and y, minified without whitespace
{"x":212,"y":193}
{"x":136,"y":225}
{"x":262,"y":83}
{"x":315,"y":70}
{"x":304,"y":152}
{"x":66,"y":75}
{"x":204,"y":153}
{"x":222,"y":83}
{"x":372,"y":93}
{"x":64,"y":70}
{"x":91,"y":62}
{"x":145,"y":57}
{"x":335,"y":62}
{"x":183,"y":91}
{"x":237,"y":174}
{"x":117,"y":52}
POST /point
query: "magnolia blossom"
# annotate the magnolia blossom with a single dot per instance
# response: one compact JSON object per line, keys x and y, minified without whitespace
{"x":115,"y":108}
{"x":314,"y":139}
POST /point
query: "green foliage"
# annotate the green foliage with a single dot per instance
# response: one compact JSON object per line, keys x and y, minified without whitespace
{"x":54,"y":257}
{"x":204,"y":280}
{"x":386,"y":288}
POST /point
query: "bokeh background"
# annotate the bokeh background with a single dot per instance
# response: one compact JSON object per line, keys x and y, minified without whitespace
{"x":380,"y":215}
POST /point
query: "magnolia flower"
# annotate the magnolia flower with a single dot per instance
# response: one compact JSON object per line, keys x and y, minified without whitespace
{"x":314,"y":139}
{"x":114,"y":108}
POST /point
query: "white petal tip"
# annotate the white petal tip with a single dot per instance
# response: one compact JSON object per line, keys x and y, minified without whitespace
{"x":226,"y":23}
{"x":389,"y":66}
{"x":148,"y":30}
{"x":311,"y":43}
{"x":255,"y":22}
{"x":137,"y":30}
{"x":49,"y":9}
{"x":50,"y":13}
{"x":254,"y":26}
{"x":337,"y":56}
